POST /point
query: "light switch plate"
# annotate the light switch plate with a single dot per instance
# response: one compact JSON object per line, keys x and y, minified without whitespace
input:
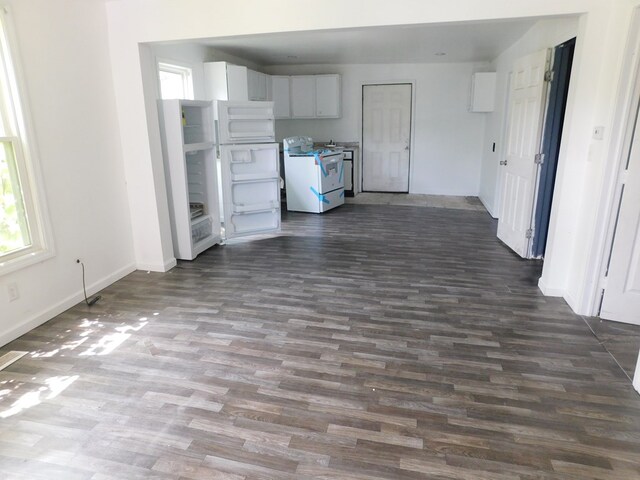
{"x":598,"y":132}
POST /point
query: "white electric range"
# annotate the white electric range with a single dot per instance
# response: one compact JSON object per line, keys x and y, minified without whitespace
{"x":314,"y":177}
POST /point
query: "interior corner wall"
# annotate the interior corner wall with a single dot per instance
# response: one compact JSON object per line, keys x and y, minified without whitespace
{"x":544,"y":34}
{"x":72,"y":110}
{"x":447,"y":143}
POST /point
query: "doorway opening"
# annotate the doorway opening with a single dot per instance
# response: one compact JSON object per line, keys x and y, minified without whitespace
{"x":386,"y":137}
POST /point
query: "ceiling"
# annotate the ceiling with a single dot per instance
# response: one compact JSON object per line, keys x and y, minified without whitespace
{"x":459,"y":42}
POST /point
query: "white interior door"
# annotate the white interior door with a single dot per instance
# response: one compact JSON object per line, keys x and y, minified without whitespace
{"x":621,"y":300}
{"x":524,"y":132}
{"x":386,"y":137}
{"x":251,"y":189}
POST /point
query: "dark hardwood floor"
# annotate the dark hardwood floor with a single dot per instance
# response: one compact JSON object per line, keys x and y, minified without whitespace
{"x":621,"y":340}
{"x":376,"y":342}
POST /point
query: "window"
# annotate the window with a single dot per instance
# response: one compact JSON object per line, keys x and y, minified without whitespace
{"x":23,"y":236}
{"x":175,"y":81}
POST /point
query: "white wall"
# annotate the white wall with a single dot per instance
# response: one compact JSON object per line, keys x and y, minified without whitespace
{"x":448,"y":139}
{"x":64,"y":54}
{"x":544,"y":34}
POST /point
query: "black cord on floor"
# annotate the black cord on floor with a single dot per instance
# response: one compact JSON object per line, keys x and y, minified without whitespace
{"x":94,"y":300}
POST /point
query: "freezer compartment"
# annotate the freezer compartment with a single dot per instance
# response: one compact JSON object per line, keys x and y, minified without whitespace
{"x":251,"y":162}
{"x":196,"y":123}
{"x":330,"y":173}
{"x":245,"y":122}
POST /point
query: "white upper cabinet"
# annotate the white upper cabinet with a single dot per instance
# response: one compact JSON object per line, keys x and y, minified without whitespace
{"x":257,"y":85}
{"x":483,"y":92}
{"x":306,"y":96}
{"x":303,"y":98}
{"x":281,"y":96}
{"x":328,"y":96}
{"x":224,"y":81}
{"x":237,"y":83}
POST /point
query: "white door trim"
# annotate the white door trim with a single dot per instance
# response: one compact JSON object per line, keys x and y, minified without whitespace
{"x":627,"y":101}
{"x":413,"y":125}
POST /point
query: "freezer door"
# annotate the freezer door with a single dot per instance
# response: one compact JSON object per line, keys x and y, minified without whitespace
{"x":245,"y":122}
{"x":251,"y":189}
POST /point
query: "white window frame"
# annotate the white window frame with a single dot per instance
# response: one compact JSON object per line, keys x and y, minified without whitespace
{"x":181,"y":68}
{"x":22,"y":139}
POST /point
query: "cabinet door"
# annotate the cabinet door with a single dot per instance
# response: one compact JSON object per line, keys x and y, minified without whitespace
{"x":280,"y":96}
{"x":328,"y":95}
{"x":257,"y":85}
{"x":303,"y":96}
{"x":237,"y":83}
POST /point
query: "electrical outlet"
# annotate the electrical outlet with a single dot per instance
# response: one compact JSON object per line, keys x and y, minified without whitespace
{"x":12,"y":291}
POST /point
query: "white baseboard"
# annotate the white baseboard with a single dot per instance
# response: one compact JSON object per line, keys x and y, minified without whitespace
{"x":549,"y":292}
{"x":47,"y":314}
{"x":487,"y":207}
{"x":157,"y":267}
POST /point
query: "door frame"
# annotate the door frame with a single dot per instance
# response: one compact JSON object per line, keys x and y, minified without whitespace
{"x":624,"y":120}
{"x":411,"y":129}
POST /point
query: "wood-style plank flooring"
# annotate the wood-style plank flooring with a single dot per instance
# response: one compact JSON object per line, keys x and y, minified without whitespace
{"x":621,"y":340}
{"x":372,"y":342}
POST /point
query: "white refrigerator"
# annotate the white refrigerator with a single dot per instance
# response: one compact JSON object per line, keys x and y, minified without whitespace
{"x":240,"y":189}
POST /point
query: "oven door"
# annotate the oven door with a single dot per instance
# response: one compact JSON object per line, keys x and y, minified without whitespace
{"x":330,"y":172}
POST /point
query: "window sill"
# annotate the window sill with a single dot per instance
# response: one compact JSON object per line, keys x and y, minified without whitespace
{"x":25,"y":260}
